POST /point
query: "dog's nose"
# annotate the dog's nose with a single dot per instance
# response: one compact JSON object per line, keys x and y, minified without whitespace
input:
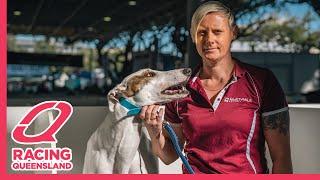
{"x":187,"y":71}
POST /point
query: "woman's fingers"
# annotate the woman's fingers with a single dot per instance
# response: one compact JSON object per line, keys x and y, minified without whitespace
{"x":142,"y":114}
{"x":152,"y":118}
{"x":151,"y":114}
{"x":160,"y":114}
{"x":154,"y":112}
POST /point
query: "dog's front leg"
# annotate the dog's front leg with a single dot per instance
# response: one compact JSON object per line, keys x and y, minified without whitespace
{"x":127,"y":149}
{"x":98,"y":158}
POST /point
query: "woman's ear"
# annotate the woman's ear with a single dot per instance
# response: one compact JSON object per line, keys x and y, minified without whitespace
{"x":235,"y":31}
{"x":192,"y":36}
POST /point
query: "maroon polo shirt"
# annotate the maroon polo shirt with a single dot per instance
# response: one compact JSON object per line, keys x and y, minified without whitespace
{"x":226,"y":136}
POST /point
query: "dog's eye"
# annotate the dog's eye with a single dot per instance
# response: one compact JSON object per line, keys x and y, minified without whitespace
{"x":149,"y":74}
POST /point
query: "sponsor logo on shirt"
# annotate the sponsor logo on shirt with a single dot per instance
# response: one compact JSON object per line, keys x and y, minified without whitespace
{"x":237,"y":99}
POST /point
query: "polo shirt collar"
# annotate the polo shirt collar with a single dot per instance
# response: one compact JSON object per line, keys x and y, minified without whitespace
{"x":239,"y":69}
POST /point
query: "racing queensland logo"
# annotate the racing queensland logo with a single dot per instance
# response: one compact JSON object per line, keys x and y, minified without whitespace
{"x":42,"y":159}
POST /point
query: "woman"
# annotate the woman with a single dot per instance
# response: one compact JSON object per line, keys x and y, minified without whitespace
{"x":232,"y":109}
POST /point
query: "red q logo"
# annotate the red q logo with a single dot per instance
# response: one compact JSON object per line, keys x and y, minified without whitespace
{"x":48,"y":135}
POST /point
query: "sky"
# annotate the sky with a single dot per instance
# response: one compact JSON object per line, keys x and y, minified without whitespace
{"x":298,"y":10}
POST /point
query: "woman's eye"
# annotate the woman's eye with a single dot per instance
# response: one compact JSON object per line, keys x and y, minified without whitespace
{"x":217,"y":32}
{"x":201,"y":33}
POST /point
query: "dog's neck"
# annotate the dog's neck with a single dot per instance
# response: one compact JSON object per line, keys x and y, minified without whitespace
{"x":132,"y":108}
{"x":125,"y":108}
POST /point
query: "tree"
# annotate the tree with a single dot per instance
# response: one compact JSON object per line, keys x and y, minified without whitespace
{"x":292,"y":34}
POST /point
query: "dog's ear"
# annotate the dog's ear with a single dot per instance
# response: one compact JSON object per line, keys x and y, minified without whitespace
{"x":112,"y":100}
{"x":114,"y":95}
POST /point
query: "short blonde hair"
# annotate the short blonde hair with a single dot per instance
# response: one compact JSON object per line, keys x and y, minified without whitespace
{"x":206,"y":8}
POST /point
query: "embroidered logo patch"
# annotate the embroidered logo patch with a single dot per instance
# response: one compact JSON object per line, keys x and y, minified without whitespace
{"x":237,"y":99}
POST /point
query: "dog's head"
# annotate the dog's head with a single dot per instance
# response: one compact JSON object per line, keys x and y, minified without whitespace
{"x":147,"y":86}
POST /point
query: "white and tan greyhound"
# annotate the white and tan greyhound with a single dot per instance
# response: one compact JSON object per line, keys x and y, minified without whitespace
{"x":120,"y":145}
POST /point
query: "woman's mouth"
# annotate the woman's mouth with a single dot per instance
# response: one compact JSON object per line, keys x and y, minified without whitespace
{"x":210,"y":49}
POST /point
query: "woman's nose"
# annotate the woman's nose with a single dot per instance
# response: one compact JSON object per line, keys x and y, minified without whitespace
{"x":210,"y":38}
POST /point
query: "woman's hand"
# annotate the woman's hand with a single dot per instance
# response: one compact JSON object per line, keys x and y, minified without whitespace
{"x":152,"y":118}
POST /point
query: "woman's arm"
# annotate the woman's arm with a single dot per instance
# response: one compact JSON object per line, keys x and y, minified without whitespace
{"x":276,"y":131}
{"x":164,"y":148}
{"x":161,"y":144}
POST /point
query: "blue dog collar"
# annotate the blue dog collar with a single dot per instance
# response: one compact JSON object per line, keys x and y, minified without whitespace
{"x":133,"y":109}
